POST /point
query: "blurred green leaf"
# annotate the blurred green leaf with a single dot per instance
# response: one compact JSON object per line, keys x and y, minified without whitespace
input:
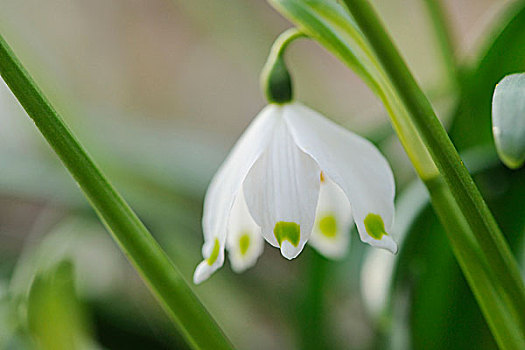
{"x":55,"y":316}
{"x":8,"y":322}
{"x":504,"y":55}
{"x":508,"y":119}
{"x":428,"y":291}
{"x":442,"y":312}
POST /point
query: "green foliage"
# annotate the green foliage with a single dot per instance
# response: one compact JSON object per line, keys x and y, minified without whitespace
{"x":442,"y":312}
{"x":504,"y":55}
{"x":55,"y":317}
{"x":132,"y":236}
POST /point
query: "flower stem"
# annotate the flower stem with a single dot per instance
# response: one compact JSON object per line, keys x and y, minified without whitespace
{"x":276,"y":81}
{"x":462,"y":188}
{"x":152,"y":263}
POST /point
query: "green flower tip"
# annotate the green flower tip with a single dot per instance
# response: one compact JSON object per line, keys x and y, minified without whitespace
{"x":287,"y":231}
{"x":244,"y":243}
{"x":328,"y":226}
{"x":214,"y":253}
{"x":375,"y":226}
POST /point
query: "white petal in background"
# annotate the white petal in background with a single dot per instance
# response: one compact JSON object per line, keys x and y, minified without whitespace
{"x":331,"y":233}
{"x":508,"y":119}
{"x":354,"y":164}
{"x":244,"y":243}
{"x":281,"y":192}
{"x":226,"y":184}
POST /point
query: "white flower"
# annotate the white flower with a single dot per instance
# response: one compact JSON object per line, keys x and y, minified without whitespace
{"x":292,"y":177}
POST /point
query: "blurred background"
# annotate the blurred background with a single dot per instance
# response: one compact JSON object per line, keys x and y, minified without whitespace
{"x":158,"y":91}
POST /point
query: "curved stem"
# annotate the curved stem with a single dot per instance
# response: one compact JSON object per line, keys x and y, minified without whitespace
{"x":462,"y":187}
{"x":160,"y":274}
{"x":276,"y":81}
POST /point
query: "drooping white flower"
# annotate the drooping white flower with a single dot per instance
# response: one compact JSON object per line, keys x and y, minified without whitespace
{"x":293,"y":177}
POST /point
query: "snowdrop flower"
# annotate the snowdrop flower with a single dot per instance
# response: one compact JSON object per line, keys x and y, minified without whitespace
{"x":294,"y":177}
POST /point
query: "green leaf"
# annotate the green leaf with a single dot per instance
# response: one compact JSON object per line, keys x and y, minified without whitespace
{"x":55,"y":316}
{"x":508,"y":119}
{"x":442,"y":312}
{"x":133,"y":238}
{"x":504,"y":55}
{"x":329,"y":24}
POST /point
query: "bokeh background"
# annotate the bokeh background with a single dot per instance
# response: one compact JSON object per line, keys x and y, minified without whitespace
{"x":158,"y":91}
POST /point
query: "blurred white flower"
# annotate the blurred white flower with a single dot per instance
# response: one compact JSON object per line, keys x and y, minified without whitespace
{"x":292,"y":177}
{"x":508,"y":119}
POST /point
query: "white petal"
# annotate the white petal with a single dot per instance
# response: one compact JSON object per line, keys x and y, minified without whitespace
{"x":281,"y":192}
{"x":508,"y":119}
{"x":244,"y":243}
{"x":213,"y":253}
{"x":354,"y":164}
{"x":226,"y":184}
{"x":333,"y":221}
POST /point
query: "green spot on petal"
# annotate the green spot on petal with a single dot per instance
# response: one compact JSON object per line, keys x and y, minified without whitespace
{"x":328,"y":226}
{"x":287,"y":231}
{"x":215,"y":253}
{"x":244,"y":243}
{"x":375,"y":226}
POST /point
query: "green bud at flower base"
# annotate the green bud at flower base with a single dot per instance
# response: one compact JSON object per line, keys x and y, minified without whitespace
{"x":278,"y":87}
{"x":276,"y":81}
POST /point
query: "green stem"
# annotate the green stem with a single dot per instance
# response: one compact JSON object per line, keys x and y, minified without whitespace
{"x":313,"y":315}
{"x":332,"y":27}
{"x":164,"y":279}
{"x":462,"y":187}
{"x":444,"y":37}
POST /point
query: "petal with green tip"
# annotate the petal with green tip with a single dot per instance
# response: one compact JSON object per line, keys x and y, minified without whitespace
{"x":283,"y":186}
{"x":353,"y":163}
{"x":226,"y":185}
{"x":333,"y":221}
{"x":244,"y":242}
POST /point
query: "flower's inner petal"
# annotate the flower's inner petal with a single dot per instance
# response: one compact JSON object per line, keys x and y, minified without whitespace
{"x":226,"y":185}
{"x":244,"y":242}
{"x":281,"y":192}
{"x":355,"y":165}
{"x":333,"y":220}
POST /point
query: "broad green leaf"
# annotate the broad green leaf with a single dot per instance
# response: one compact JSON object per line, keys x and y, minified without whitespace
{"x":508,"y":119}
{"x":431,"y":305}
{"x":504,"y":55}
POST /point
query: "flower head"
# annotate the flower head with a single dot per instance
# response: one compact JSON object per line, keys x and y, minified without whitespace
{"x":295,"y":177}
